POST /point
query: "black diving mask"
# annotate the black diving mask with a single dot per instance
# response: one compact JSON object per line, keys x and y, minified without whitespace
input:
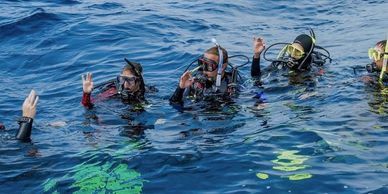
{"x":207,"y":64}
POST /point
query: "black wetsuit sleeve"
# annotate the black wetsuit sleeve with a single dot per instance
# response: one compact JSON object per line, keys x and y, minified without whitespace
{"x":177,"y":97}
{"x":255,"y":68}
{"x":25,"y":127}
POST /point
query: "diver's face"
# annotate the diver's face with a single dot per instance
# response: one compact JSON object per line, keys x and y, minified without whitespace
{"x":212,"y":74}
{"x":298,"y":51}
{"x":130,"y":84}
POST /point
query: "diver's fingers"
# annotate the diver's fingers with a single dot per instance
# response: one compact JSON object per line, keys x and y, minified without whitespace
{"x":90,"y":76}
{"x":36,"y":101}
{"x":186,"y":74}
{"x":26,"y":101}
{"x":83,"y":78}
{"x":31,"y":97}
{"x":183,"y":76}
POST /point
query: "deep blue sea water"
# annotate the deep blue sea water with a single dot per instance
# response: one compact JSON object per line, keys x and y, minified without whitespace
{"x":334,"y":141}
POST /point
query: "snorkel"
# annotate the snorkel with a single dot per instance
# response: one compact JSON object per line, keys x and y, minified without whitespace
{"x":220,"y":63}
{"x":385,"y":61}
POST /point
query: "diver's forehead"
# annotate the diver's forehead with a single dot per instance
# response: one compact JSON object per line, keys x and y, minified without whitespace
{"x":127,"y":73}
{"x":298,"y":46}
{"x":211,"y":56}
{"x":379,"y":48}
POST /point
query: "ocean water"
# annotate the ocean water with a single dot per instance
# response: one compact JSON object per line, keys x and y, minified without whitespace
{"x":332,"y":139}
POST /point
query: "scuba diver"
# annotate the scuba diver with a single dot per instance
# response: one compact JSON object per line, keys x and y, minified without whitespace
{"x":209,"y":81}
{"x":25,"y":122}
{"x":128,"y":86}
{"x":297,"y":57}
{"x":376,"y":54}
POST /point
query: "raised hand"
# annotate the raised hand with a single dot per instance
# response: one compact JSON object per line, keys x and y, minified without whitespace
{"x":186,"y":80}
{"x":258,"y":46}
{"x":29,"y":105}
{"x":87,"y":83}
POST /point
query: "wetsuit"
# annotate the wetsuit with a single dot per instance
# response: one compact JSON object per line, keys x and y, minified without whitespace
{"x":203,"y":89}
{"x":276,"y":67}
{"x":109,"y":90}
{"x":25,"y":128}
{"x":257,"y":72}
{"x":88,"y":101}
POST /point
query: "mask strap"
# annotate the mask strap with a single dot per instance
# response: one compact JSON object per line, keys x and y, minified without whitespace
{"x":133,"y":67}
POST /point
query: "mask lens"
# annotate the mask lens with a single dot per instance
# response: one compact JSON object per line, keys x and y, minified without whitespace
{"x":374,"y":55}
{"x":208,"y":64}
{"x":130,"y":80}
{"x":294,"y":52}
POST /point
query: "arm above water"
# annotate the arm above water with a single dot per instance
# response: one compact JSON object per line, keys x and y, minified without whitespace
{"x":255,"y":68}
{"x":25,"y":128}
{"x":87,"y":100}
{"x":29,"y":111}
{"x":87,"y":85}
{"x":258,"y":47}
{"x":185,"y":82}
{"x":177,"y":97}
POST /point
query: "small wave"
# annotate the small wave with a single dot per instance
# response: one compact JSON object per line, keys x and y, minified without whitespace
{"x":105,"y":6}
{"x":33,"y":22}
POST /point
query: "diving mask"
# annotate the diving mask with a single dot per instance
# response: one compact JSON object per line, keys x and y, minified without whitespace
{"x":294,"y":51}
{"x":207,"y":64}
{"x":374,"y":54}
{"x":121,"y":89}
{"x":129,"y":79}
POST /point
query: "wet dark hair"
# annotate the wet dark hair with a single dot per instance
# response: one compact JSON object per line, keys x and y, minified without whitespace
{"x":135,"y":68}
{"x":214,"y":50}
{"x":383,"y":42}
